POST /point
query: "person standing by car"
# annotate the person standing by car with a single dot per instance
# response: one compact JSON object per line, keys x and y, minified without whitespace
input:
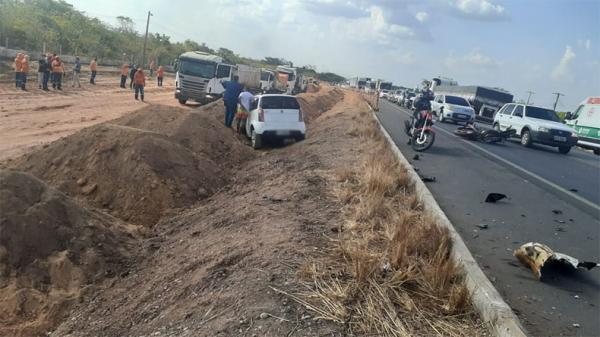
{"x":230,"y":98}
{"x":244,"y":109}
{"x":94,"y":70}
{"x":76,"y":72}
{"x":140,"y":81}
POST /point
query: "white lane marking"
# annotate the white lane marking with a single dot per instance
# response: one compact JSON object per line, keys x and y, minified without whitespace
{"x":513,"y":165}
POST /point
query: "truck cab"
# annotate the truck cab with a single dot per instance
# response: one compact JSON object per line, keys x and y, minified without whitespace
{"x":585,"y":120}
{"x":198,"y":77}
{"x":287,"y":77}
{"x":267,"y":79}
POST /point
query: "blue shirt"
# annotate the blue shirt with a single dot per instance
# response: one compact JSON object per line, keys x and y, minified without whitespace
{"x":232,"y":91}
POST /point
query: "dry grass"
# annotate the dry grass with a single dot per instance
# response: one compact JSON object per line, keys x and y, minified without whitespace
{"x":389,"y":271}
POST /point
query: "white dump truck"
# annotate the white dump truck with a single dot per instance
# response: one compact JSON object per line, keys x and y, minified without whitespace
{"x":286,"y":80}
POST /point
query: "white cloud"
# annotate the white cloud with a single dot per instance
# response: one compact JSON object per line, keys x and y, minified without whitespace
{"x":587,"y":43}
{"x":407,"y":58}
{"x":422,"y":16}
{"x":562,"y":70}
{"x":479,"y":9}
{"x":474,"y":58}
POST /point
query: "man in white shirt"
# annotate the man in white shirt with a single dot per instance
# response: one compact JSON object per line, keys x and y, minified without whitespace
{"x":244,"y":100}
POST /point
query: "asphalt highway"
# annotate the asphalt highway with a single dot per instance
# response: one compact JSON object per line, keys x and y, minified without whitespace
{"x":537,"y":181}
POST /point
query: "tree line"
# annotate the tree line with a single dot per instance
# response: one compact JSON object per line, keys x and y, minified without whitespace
{"x":58,"y":27}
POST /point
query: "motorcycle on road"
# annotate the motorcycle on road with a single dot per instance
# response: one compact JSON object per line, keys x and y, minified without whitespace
{"x":420,"y":131}
{"x":472,"y":132}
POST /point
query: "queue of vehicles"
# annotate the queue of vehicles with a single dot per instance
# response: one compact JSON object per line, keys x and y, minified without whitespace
{"x":198,"y":77}
{"x":530,"y":124}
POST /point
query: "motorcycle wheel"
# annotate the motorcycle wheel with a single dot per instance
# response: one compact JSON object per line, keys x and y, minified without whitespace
{"x":419,"y":143}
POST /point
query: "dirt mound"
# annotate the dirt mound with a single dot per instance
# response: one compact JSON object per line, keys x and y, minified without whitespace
{"x":51,"y":249}
{"x":142,"y":165}
{"x":315,"y":103}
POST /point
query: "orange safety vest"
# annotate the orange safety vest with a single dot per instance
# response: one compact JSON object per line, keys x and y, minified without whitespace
{"x":18,"y":65}
{"x":24,"y":65}
{"x":93,"y":66}
{"x":139,"y":78}
{"x":57,"y":67}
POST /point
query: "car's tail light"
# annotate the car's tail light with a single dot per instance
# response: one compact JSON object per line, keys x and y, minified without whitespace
{"x":261,"y":115}
{"x":300,"y":116}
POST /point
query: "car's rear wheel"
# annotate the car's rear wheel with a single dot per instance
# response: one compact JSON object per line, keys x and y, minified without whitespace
{"x":526,"y":138}
{"x":497,"y":127}
{"x":564,"y":149}
{"x":597,"y":152}
{"x":256,"y":140}
{"x":182,"y":101}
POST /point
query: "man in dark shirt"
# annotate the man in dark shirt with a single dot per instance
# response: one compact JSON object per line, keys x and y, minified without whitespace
{"x":230,"y":98}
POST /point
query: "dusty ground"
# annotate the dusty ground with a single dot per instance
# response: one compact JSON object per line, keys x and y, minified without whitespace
{"x":35,"y":117}
{"x":222,"y":253}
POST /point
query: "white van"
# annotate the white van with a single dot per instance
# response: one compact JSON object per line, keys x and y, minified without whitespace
{"x":585,"y":120}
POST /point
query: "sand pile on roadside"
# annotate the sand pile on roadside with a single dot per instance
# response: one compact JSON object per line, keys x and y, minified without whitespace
{"x":314,"y":104}
{"x":51,"y":250}
{"x":143,"y":165}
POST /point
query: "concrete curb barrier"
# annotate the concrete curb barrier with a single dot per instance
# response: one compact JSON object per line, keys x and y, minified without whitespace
{"x":486,"y":299}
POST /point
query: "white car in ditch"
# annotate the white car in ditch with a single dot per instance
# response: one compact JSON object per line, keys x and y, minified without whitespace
{"x":274,"y":117}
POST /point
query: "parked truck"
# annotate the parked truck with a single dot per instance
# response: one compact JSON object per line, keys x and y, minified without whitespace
{"x":199,"y":75}
{"x":267,"y":81}
{"x":485,"y":101}
{"x":382,"y":85}
{"x":286,"y":80}
{"x":357,"y":82}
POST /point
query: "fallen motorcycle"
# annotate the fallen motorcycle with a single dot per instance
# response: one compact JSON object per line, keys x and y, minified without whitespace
{"x":472,"y":132}
{"x":420,"y":132}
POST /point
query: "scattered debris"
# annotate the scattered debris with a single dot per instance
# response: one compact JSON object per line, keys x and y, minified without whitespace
{"x":559,"y":221}
{"x":274,"y":200}
{"x":535,"y":255}
{"x":576,"y":296}
{"x":556,"y":211}
{"x":427,"y":179}
{"x":523,"y":216}
{"x":416,"y":157}
{"x":560,"y":229}
{"x":494,"y":197}
{"x":576,"y":325}
{"x":574,"y":190}
{"x":482,"y":226}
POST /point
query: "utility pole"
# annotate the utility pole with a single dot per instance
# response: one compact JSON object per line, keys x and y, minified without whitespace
{"x":529,"y":97}
{"x":146,"y":39}
{"x":558,"y":94}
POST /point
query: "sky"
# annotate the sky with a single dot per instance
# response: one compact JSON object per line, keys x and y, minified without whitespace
{"x":544,"y":46}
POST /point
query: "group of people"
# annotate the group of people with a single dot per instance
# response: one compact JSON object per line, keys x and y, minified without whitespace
{"x":138,"y":78}
{"x":52,"y":69}
{"x":237,"y":100}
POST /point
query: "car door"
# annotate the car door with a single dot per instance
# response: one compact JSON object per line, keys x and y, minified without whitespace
{"x":504,"y":115}
{"x":252,"y":116}
{"x":517,"y":119}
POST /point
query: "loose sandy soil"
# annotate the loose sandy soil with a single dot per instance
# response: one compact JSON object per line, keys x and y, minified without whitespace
{"x":224,"y":229}
{"x":35,"y":117}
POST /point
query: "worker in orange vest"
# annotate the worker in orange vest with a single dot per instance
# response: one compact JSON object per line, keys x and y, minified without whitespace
{"x":18,"y":71}
{"x":124,"y":74}
{"x":159,"y":75}
{"x":139,"y":82}
{"x":24,"y":71}
{"x":58,"y":70}
{"x":94,"y":70}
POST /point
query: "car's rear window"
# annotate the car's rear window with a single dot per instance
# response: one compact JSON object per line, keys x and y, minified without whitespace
{"x":279,"y":102}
